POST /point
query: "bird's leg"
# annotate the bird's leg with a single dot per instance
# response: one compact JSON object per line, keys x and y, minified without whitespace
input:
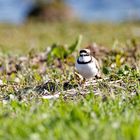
{"x":83,"y":81}
{"x":98,"y":76}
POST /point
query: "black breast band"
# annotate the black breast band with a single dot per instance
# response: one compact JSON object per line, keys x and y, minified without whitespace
{"x":79,"y":62}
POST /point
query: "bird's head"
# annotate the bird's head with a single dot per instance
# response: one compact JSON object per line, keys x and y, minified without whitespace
{"x":84,"y":56}
{"x":84,"y":52}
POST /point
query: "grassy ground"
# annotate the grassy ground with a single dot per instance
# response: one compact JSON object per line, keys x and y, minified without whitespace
{"x":40,"y":35}
{"x":107,"y":109}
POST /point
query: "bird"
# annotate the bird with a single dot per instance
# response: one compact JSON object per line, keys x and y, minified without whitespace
{"x":86,"y":65}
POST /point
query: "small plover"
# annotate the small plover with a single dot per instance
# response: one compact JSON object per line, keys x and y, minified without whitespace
{"x":87,"y":65}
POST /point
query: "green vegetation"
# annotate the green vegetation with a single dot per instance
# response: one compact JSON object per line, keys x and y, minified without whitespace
{"x":38,"y":36}
{"x":32,"y":66}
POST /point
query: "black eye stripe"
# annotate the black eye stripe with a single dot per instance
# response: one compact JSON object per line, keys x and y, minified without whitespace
{"x":84,"y":54}
{"x":83,"y":51}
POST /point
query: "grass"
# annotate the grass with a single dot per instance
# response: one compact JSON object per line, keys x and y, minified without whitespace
{"x":38,"y":36}
{"x":112,"y":115}
{"x":90,"y":118}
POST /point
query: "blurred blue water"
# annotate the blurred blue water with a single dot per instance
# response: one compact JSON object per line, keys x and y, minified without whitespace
{"x":16,"y":11}
{"x":104,"y":10}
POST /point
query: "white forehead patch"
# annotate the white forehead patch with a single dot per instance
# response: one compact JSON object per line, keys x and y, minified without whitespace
{"x":83,"y":53}
{"x":84,"y":59}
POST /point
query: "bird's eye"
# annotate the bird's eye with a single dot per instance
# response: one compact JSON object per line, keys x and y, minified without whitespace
{"x":84,"y":54}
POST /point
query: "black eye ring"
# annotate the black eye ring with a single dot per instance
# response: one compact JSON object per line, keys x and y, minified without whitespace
{"x":84,"y":55}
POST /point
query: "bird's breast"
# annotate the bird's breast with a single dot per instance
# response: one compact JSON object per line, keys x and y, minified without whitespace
{"x":87,"y":70}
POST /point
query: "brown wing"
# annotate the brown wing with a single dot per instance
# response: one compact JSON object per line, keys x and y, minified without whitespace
{"x":97,"y":65}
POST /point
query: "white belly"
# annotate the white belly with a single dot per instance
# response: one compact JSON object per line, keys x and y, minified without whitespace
{"x":87,"y":70}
